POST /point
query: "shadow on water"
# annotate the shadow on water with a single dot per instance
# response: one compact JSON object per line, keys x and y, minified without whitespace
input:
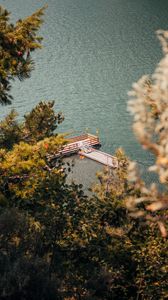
{"x":84,"y":171}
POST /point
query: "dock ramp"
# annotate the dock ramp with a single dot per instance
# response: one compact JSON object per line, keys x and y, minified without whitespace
{"x":101,"y":157}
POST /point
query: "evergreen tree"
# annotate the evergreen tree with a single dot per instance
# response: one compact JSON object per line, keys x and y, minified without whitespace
{"x":55,"y":241}
{"x":16,"y":44}
{"x":10,"y":131}
{"x":41,"y":122}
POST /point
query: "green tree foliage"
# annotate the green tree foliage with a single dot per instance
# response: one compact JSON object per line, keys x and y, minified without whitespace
{"x":16,"y":44}
{"x":55,"y":241}
{"x":23,"y":276}
{"x":40,"y":123}
{"x":142,"y":248}
{"x":87,"y":247}
{"x":10,"y":131}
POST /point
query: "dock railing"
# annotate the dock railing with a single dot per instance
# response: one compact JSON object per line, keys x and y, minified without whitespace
{"x":75,"y":143}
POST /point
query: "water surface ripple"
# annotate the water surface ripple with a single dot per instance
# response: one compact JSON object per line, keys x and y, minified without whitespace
{"x":93,"y":51}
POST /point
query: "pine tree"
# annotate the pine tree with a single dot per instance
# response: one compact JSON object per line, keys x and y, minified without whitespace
{"x":56,"y":242}
{"x":17,"y":42}
{"x":42,"y":121}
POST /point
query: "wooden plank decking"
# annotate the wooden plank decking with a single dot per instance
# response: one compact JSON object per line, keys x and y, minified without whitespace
{"x":85,"y":145}
{"x":75,"y":143}
{"x":101,"y":157}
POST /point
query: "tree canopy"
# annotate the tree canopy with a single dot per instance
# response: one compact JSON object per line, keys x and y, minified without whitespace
{"x":17,"y":42}
{"x":56,"y":241}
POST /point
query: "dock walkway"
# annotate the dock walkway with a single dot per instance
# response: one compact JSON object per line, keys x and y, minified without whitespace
{"x":85,"y":145}
{"x":101,"y":157}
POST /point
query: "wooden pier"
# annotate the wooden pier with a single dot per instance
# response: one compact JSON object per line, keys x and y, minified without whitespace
{"x":85,"y":145}
{"x":77,"y":142}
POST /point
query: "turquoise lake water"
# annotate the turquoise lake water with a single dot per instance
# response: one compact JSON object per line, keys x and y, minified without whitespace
{"x":93,"y":51}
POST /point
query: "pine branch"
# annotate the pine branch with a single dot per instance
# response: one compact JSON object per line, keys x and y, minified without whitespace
{"x":16,"y":44}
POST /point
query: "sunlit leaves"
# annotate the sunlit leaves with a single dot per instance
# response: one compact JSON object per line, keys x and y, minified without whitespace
{"x":149,"y":107}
